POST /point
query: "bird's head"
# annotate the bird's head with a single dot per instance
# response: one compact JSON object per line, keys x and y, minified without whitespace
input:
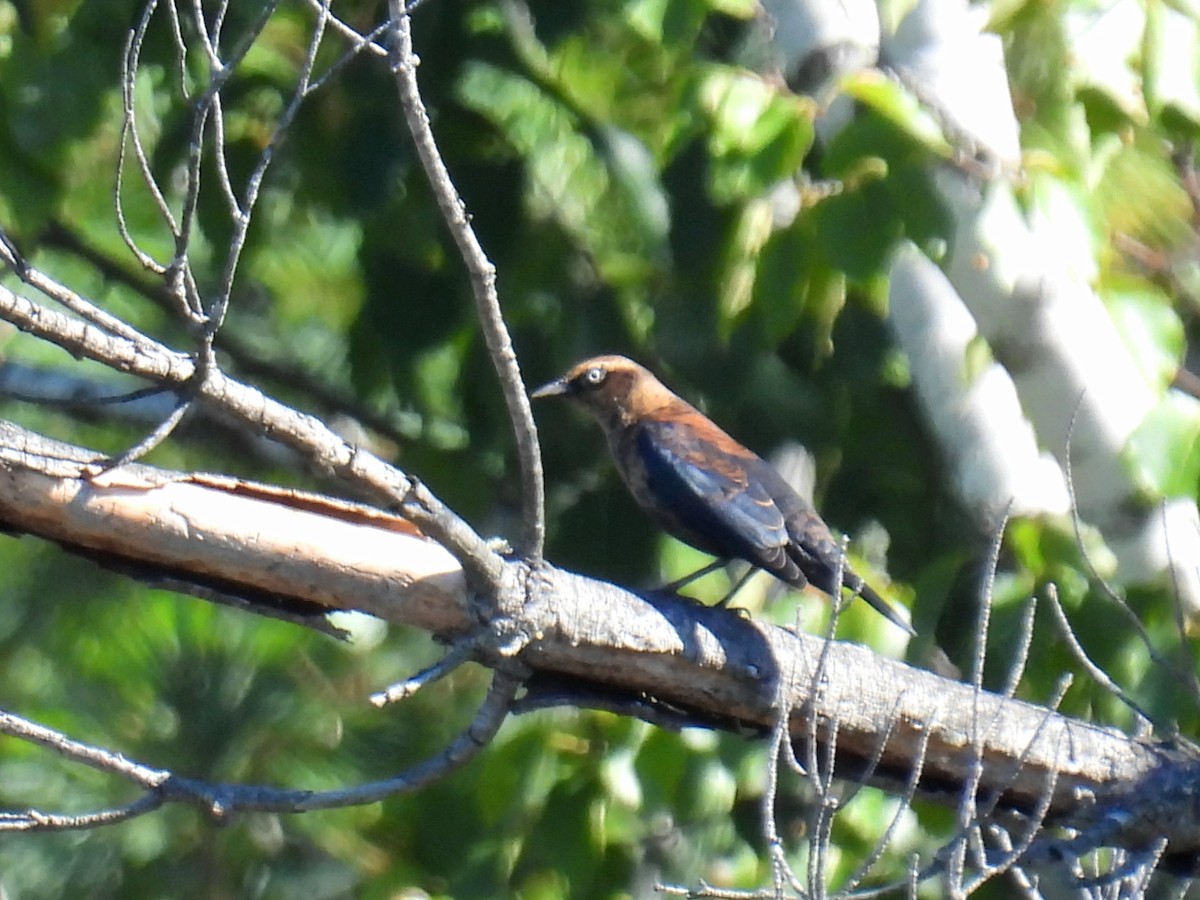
{"x":616,"y":391}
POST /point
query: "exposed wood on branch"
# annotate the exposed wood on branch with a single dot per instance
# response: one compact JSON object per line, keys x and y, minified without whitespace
{"x":686,"y":662}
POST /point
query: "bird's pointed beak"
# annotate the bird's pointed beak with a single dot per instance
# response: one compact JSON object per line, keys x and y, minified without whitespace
{"x":553,"y":388}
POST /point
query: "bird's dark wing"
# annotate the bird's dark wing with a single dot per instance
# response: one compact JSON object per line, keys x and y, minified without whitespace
{"x":697,"y":484}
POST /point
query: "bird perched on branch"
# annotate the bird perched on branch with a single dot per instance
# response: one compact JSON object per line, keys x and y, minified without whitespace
{"x":704,"y":487}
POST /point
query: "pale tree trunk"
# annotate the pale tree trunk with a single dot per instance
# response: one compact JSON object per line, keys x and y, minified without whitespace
{"x":1025,"y":280}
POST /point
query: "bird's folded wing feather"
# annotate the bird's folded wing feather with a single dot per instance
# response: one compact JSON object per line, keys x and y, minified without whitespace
{"x":710,"y":485}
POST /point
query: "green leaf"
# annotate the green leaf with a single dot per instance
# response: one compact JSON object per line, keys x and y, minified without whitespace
{"x":1171,"y":61}
{"x":1138,"y":193}
{"x":758,"y":135}
{"x":1165,"y":448}
{"x":1150,"y":328}
{"x":797,"y":290}
{"x":568,"y":179}
{"x":897,"y":104}
{"x":859,"y":251}
{"x":1103,"y":40}
{"x":672,"y":24}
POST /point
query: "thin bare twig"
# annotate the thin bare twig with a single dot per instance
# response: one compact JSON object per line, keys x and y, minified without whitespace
{"x":781,"y":872}
{"x":160,"y":433}
{"x":402,"y":690}
{"x":983,"y":619}
{"x":359,"y":44}
{"x":483,"y":282}
{"x":210,"y":103}
{"x":1183,"y":669}
{"x":34,"y":820}
{"x":224,"y":800}
{"x":97,"y":758}
{"x":250,"y":360}
{"x":180,"y":279}
{"x":968,"y":809}
{"x":70,"y":300}
{"x":130,"y":136}
{"x":1033,"y":828}
{"x":12,"y":256}
{"x":242,"y":211}
{"x":1181,"y":629}
{"x":369,"y":42}
{"x":1021,"y":656}
{"x":903,"y":805}
{"x":1102,"y":678}
{"x":851,"y":888}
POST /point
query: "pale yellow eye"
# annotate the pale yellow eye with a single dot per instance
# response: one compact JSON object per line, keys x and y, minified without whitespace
{"x":594,"y":376}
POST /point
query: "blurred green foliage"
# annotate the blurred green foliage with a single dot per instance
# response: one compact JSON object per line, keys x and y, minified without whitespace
{"x":615,"y":160}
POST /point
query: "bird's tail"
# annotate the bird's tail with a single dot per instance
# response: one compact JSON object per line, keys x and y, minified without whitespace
{"x":889,"y":612}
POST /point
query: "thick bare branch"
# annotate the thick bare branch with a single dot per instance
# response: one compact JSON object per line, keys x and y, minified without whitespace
{"x":710,"y":666}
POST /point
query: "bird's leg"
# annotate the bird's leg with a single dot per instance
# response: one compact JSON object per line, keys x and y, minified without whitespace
{"x":675,"y":585}
{"x":749,"y":573}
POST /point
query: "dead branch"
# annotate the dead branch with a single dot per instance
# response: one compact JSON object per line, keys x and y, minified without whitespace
{"x":220,"y":801}
{"x":704,"y":665}
{"x":483,"y":281}
{"x":328,"y":452}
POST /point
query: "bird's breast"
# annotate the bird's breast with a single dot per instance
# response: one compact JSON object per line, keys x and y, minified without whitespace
{"x":631,"y":463}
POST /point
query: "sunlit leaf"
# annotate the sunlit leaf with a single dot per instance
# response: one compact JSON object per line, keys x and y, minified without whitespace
{"x":758,"y":134}
{"x":1150,"y":329}
{"x":1171,"y":61}
{"x":891,"y":100}
{"x":1165,"y":449}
